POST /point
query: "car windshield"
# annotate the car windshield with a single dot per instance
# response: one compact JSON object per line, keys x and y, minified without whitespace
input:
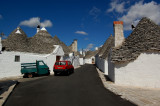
{"x":60,"y":63}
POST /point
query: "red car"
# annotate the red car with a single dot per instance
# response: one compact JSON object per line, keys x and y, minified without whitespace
{"x":63,"y":67}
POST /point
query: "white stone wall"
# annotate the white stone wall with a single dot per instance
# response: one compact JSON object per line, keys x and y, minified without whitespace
{"x":143,"y":72}
{"x":74,"y":60}
{"x":8,"y":66}
{"x":89,"y":60}
{"x":105,"y":67}
{"x":81,"y":61}
{"x":111,"y":71}
{"x":102,"y":64}
{"x":0,"y":45}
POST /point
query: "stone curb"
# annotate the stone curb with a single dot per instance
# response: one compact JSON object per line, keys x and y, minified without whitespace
{"x":6,"y":94}
{"x":103,"y":79}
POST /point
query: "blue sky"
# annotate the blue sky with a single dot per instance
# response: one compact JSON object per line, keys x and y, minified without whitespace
{"x":88,"y":21}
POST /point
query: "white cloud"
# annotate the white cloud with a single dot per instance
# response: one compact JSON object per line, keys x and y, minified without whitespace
{"x":95,"y":12}
{"x":33,"y":22}
{"x":81,"y":32}
{"x":139,"y":10}
{"x":118,"y":7}
{"x":46,"y":23}
{"x":89,"y":46}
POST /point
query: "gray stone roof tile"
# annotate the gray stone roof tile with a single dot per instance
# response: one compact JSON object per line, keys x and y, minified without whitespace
{"x":144,"y":38}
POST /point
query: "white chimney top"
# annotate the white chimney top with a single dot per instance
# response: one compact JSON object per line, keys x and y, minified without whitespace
{"x":38,"y":28}
{"x":96,"y":48}
{"x":43,"y":29}
{"x":18,"y":31}
{"x":0,"y":45}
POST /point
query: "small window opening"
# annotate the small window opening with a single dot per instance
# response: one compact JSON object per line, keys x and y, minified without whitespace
{"x":17,"y":58}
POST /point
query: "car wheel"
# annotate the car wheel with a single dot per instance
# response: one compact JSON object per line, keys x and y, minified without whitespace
{"x":68,"y":72}
{"x":55,"y":73}
{"x":72,"y":70}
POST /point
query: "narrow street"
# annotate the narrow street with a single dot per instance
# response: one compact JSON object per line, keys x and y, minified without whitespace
{"x":82,"y":88}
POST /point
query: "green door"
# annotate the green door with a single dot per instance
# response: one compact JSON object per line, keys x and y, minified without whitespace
{"x":42,"y":68}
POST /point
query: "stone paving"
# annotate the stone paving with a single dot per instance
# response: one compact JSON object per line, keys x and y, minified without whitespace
{"x":138,"y":96}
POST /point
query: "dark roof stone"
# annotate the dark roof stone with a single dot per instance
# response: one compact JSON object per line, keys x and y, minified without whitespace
{"x":89,"y":54}
{"x":144,"y":38}
{"x":104,"y":50}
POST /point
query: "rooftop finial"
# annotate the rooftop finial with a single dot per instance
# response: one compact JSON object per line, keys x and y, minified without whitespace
{"x":18,"y":31}
{"x":43,"y":29}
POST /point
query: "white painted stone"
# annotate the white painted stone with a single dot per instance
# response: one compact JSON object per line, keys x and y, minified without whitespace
{"x":143,"y":72}
{"x":81,"y":61}
{"x":43,"y":29}
{"x":89,"y":60}
{"x":8,"y":66}
{"x":102,"y":64}
{"x":0,"y":44}
{"x":18,"y":31}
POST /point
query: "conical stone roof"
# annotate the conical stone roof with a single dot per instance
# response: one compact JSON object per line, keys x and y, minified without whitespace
{"x":104,"y":50}
{"x":16,"y":41}
{"x":64,"y":46}
{"x":144,"y":38}
{"x":41,"y":42}
{"x":89,"y":54}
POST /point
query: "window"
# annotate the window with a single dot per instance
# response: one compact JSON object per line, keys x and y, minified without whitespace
{"x":41,"y":63}
{"x":69,"y":63}
{"x":60,"y":63}
{"x":17,"y":58}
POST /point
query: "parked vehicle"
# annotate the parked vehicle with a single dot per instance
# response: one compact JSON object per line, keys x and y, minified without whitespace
{"x":63,"y":67}
{"x":32,"y":69}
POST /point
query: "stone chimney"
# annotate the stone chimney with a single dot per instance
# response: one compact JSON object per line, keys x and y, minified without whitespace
{"x":118,"y":33}
{"x":38,"y":28}
{"x":0,"y":45}
{"x":96,"y":48}
{"x":75,"y":45}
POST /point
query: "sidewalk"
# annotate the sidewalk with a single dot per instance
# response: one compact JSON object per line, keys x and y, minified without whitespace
{"x":6,"y":88}
{"x":138,"y":96}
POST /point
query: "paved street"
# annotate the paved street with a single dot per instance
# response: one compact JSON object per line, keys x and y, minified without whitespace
{"x":82,"y":88}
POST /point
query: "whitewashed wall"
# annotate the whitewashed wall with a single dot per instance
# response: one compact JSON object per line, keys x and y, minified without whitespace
{"x":81,"y":61}
{"x":111,"y":72}
{"x":74,"y":60}
{"x":143,"y":72}
{"x":102,"y":64}
{"x":105,"y":67}
{"x":89,"y":60}
{"x":8,"y":66}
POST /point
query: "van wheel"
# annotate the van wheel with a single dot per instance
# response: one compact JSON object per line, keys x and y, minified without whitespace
{"x":30,"y":75}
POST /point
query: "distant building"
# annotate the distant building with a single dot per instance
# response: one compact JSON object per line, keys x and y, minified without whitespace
{"x":90,"y":57}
